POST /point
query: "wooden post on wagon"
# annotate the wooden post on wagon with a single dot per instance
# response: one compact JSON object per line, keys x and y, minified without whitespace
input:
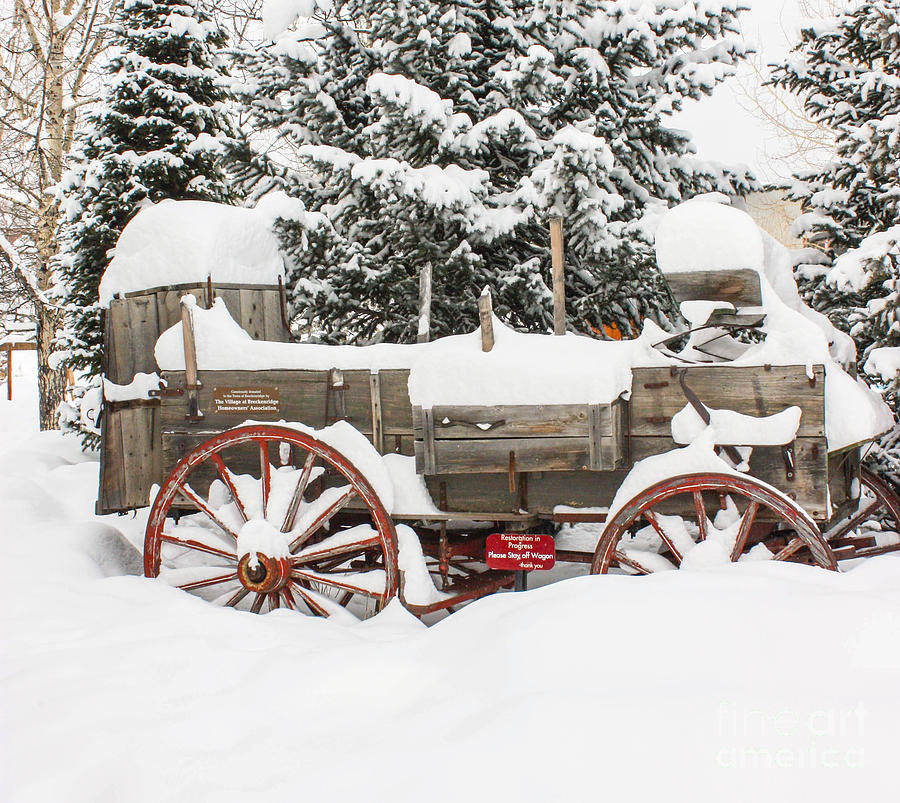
{"x":424,"y":331}
{"x":191,"y":374}
{"x":559,"y":279}
{"x":485,"y":315}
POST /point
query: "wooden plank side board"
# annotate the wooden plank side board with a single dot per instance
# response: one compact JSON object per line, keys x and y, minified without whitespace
{"x":231,"y":297}
{"x":130,"y":457}
{"x":843,"y":470}
{"x":493,"y":455}
{"x":112,"y":474}
{"x":301,"y":397}
{"x":140,"y":442}
{"x":739,"y":286}
{"x":808,"y":488}
{"x":752,"y":390}
{"x":507,"y":421}
{"x":396,"y":408}
{"x":252,"y":313}
{"x":485,"y":493}
{"x":273,"y":327}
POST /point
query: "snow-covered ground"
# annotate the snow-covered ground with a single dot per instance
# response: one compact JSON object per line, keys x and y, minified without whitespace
{"x":762,"y":681}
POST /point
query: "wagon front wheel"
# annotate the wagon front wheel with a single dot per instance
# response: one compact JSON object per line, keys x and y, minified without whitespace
{"x":731,"y":517}
{"x":266,"y":516}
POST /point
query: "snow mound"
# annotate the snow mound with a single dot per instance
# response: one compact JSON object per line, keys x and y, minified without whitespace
{"x":705,"y":235}
{"x":884,"y":362}
{"x":179,"y":242}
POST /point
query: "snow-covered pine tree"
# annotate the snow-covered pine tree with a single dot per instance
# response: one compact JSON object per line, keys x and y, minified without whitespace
{"x":450,"y":132}
{"x":154,"y":136}
{"x":846,"y":71}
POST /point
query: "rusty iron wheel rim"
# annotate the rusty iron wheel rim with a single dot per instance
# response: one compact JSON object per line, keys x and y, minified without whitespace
{"x":806,"y":537}
{"x":321,"y":573}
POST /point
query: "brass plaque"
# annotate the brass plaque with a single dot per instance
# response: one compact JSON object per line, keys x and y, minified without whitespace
{"x":247,"y":400}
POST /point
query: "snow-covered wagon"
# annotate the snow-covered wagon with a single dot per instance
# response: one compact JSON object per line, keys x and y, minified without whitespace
{"x":330,"y":479}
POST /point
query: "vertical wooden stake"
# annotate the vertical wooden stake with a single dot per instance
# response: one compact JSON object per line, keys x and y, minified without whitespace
{"x":424,"y":333}
{"x":8,"y":374}
{"x":377,"y":423}
{"x":191,"y":375}
{"x":485,"y":313}
{"x":559,"y":279}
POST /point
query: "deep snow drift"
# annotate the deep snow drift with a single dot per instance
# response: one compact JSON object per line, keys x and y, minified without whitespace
{"x":754,"y":682}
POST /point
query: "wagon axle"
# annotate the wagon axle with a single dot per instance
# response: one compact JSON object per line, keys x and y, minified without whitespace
{"x":263,"y":574}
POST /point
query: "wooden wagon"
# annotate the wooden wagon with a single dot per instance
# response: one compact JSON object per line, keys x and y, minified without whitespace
{"x":252,"y":512}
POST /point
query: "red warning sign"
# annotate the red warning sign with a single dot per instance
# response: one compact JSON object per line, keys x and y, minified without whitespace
{"x":519,"y":552}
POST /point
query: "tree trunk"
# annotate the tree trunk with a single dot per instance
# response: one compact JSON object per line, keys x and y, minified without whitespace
{"x":51,"y":383}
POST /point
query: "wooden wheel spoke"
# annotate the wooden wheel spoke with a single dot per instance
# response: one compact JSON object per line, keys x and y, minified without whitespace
{"x":623,"y":560}
{"x":238,"y":596}
{"x":256,"y":607}
{"x":313,"y":601}
{"x":700,"y":509}
{"x":747,"y":520}
{"x":209,"y":581}
{"x":274,"y":600}
{"x":288,"y":598}
{"x":323,"y":518}
{"x":194,"y":498}
{"x":225,"y":476}
{"x":291,"y":513}
{"x":857,"y":518}
{"x":265,"y":475}
{"x":341,"y":581}
{"x":336,"y":547}
{"x":660,"y":531}
{"x":190,"y":543}
{"x":793,"y":547}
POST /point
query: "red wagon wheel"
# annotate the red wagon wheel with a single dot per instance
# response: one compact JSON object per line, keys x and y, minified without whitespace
{"x":269,"y":536}
{"x":733,"y":516}
{"x":873,"y":528}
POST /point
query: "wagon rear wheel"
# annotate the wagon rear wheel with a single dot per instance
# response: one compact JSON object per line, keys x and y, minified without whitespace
{"x":732,"y":517}
{"x":260,"y":517}
{"x":873,"y":528}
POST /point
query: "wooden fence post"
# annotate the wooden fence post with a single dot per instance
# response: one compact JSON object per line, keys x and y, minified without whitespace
{"x":424,"y":333}
{"x":485,"y":313}
{"x":559,"y":279}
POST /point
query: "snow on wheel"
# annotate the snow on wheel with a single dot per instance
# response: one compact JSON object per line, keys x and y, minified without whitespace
{"x":285,"y":520}
{"x":732,"y":517}
{"x":873,"y":528}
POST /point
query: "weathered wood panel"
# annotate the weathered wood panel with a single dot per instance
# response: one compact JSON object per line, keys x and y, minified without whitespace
{"x":132,"y":457}
{"x":302,"y":396}
{"x":490,"y":455}
{"x":252,"y":313}
{"x":486,"y":493}
{"x":808,"y":488}
{"x":232,"y":300}
{"x":507,"y":421}
{"x":396,"y":408}
{"x":273,"y":327}
{"x":739,"y":287}
{"x":753,"y":390}
{"x":843,"y":469}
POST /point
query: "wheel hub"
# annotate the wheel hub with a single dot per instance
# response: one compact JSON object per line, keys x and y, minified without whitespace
{"x":262,"y":574}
